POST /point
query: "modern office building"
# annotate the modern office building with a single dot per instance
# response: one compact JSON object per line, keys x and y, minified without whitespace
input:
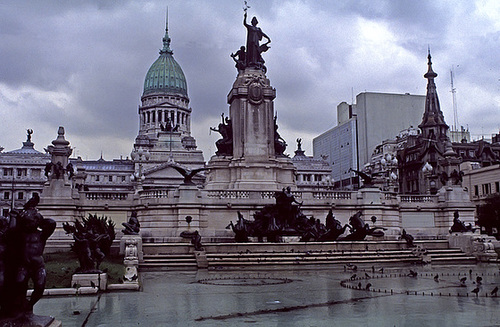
{"x":363,"y":126}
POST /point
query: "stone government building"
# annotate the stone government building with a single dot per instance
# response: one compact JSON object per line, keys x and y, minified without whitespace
{"x":242,"y":178}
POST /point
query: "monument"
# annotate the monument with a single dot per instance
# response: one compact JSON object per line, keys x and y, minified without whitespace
{"x":59,"y":170}
{"x":250,"y":154}
{"x":22,"y":242}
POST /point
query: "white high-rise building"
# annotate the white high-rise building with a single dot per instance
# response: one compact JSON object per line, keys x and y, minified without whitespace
{"x":362,"y":126}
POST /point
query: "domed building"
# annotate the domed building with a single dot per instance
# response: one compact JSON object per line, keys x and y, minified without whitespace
{"x":164,"y":136}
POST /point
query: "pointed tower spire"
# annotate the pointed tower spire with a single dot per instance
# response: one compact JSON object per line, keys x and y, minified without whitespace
{"x":433,"y":124}
{"x":166,"y":38}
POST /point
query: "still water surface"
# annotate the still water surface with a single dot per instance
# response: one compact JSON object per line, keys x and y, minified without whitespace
{"x":294,"y":297}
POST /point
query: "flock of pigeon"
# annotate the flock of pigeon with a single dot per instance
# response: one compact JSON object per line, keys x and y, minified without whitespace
{"x":478,"y":282}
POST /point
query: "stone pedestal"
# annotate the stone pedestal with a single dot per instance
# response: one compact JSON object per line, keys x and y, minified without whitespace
{"x":127,"y":245}
{"x":369,"y":195}
{"x":201,"y":259}
{"x":254,"y":163}
{"x":481,"y":246}
{"x":132,"y":250}
{"x":91,"y":280}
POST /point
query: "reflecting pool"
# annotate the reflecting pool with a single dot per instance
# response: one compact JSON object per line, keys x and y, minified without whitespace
{"x":316,"y":296}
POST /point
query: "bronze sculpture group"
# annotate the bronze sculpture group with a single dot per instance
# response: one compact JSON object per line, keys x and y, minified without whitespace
{"x":459,"y":226}
{"x":22,"y":241}
{"x":132,"y":226}
{"x":58,"y":170}
{"x":93,"y":238}
{"x":225,"y":144}
{"x":286,"y":219}
{"x":251,"y":55}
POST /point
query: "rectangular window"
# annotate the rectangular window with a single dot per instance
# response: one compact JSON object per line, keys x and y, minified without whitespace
{"x":22,"y":172}
{"x":20,"y":195}
{"x":110,"y":178}
{"x":6,"y":195}
{"x":486,"y":189}
{"x":96,"y":178}
{"x":124,"y":179}
{"x":497,"y":187}
{"x":476,"y":190}
{"x":5,"y":212}
{"x":7,"y":171}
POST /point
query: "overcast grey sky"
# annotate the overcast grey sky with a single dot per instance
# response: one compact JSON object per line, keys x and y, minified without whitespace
{"x":81,"y":64}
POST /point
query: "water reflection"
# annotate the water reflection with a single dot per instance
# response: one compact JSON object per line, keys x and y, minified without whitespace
{"x":314,"y":297}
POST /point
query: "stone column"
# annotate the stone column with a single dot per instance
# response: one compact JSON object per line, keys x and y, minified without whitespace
{"x":254,"y":163}
{"x":251,"y":112}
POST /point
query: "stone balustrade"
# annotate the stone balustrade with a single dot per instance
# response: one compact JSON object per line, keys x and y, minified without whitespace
{"x":332,"y":195}
{"x":417,"y":198}
{"x":338,"y":196}
{"x":106,"y":196}
{"x":228,"y":194}
{"x":156,"y":194}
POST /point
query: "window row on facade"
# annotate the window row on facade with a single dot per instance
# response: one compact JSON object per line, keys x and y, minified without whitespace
{"x":486,"y":189}
{"x":18,"y":195}
{"x":108,"y":178}
{"x":21,"y":172}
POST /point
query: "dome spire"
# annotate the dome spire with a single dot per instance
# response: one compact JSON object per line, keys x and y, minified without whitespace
{"x":430,"y":73}
{"x":166,"y":38}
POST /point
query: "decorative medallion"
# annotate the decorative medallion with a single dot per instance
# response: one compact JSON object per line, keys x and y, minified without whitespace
{"x":255,"y":93}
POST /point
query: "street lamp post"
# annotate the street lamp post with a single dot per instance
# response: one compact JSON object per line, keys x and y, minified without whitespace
{"x":12,"y":206}
{"x":427,"y":171}
{"x":140,"y":157}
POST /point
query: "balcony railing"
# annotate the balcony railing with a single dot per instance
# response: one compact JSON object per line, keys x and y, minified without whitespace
{"x":417,"y":198}
{"x":106,"y":196}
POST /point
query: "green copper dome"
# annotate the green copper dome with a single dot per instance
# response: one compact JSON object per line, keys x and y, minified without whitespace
{"x":165,"y":74}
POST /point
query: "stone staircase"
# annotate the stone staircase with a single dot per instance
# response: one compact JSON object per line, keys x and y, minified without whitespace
{"x":168,"y":256}
{"x":229,"y":260}
{"x":169,"y":262}
{"x":449,"y":256}
{"x":181,"y":256}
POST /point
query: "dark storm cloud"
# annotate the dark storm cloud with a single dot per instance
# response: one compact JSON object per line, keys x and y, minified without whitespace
{"x":82,"y":64}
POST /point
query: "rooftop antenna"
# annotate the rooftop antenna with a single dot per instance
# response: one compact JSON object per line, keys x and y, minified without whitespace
{"x":454,"y":101}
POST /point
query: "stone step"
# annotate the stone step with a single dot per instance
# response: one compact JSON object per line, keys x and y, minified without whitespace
{"x":170,"y":248}
{"x":170,"y":260}
{"x":444,"y":250}
{"x":309,"y":254}
{"x":181,"y":255}
{"x":449,"y":256}
{"x":167,"y":266}
{"x":171,"y":256}
{"x":307,"y":258}
{"x":312,"y":262}
{"x":352,"y":257}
